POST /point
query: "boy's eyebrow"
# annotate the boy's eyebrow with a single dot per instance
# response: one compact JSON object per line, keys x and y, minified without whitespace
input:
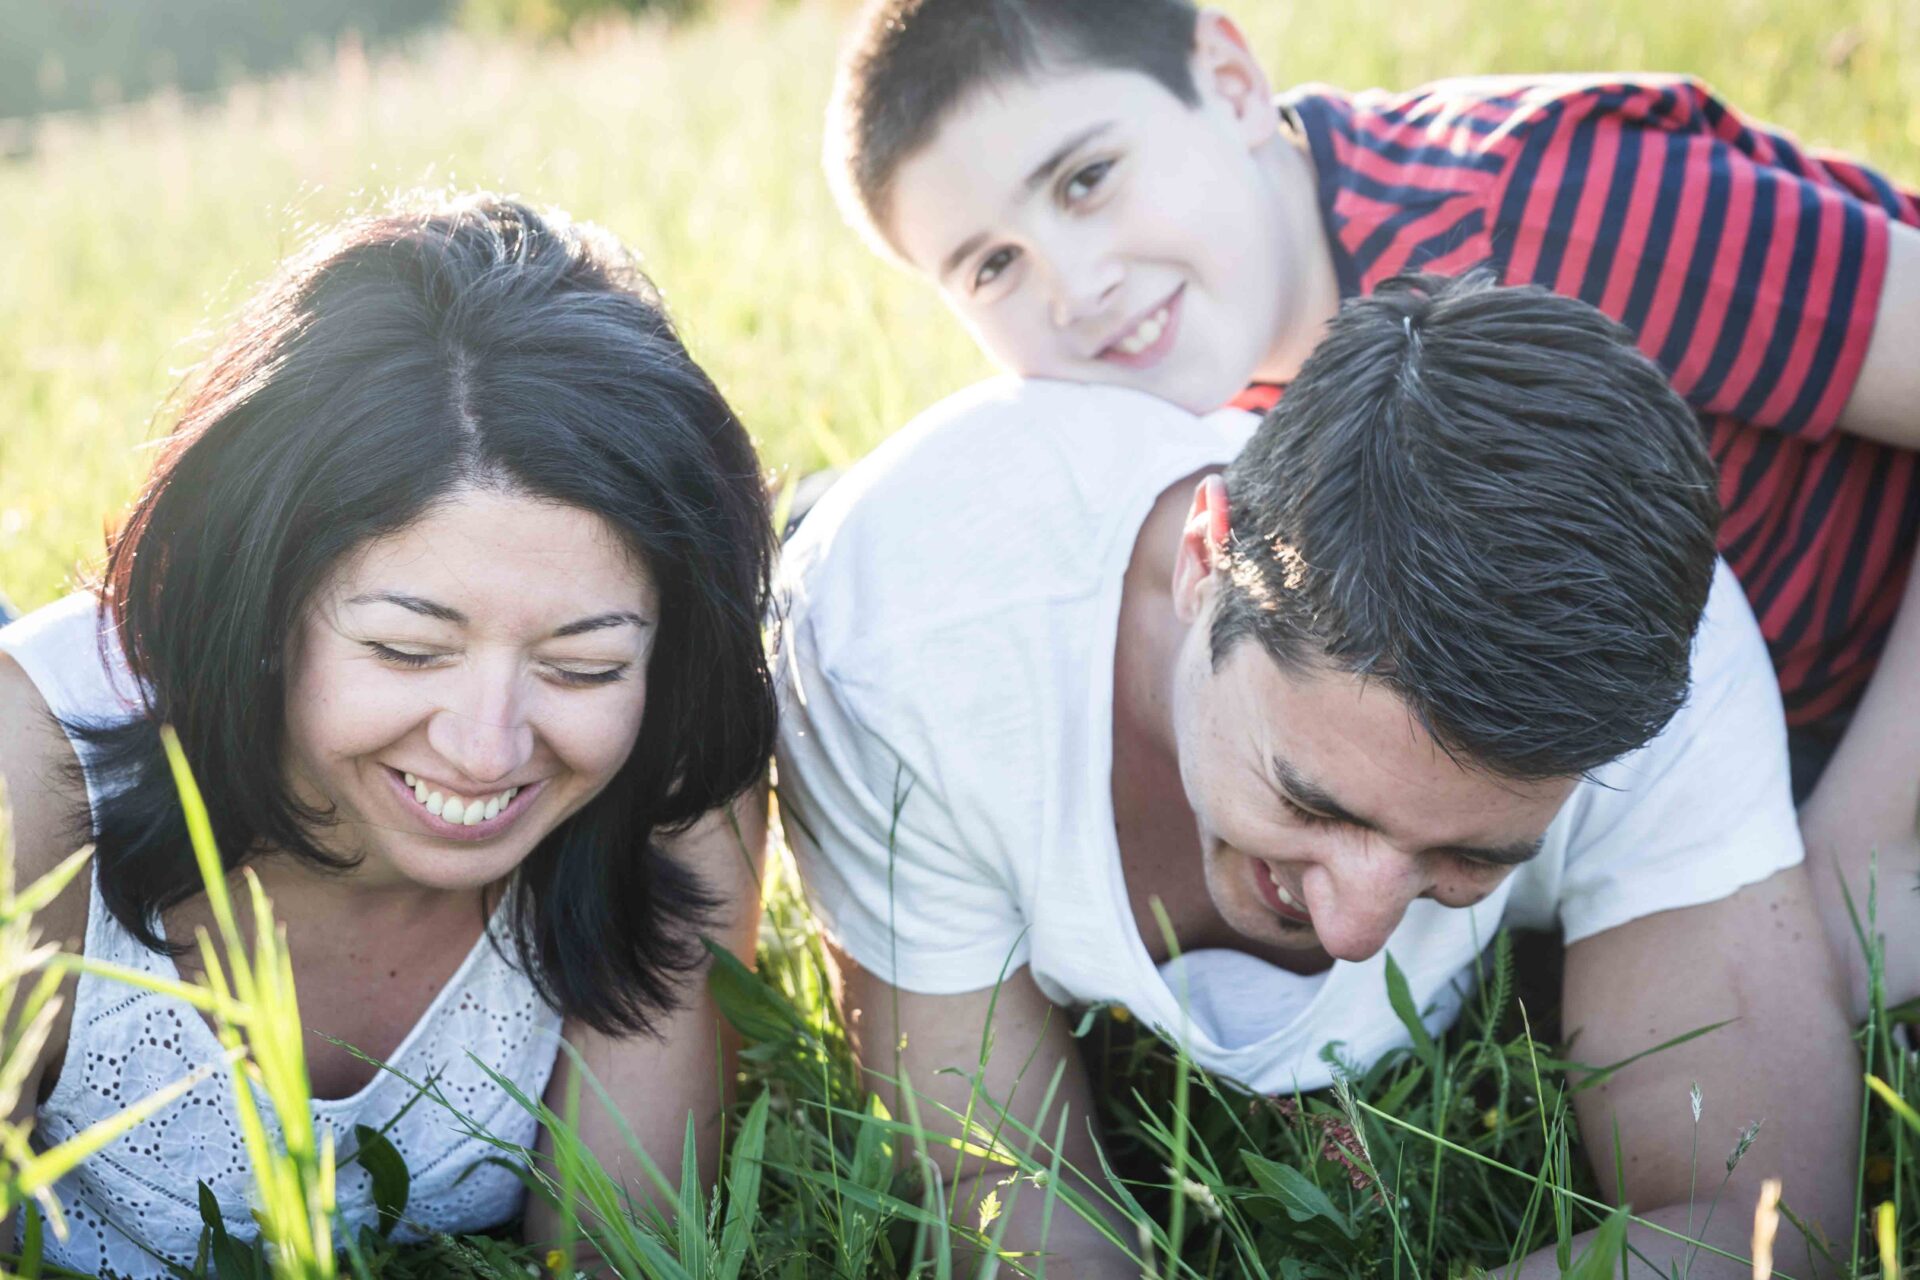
{"x":1044,"y":171}
{"x":1041,"y":175}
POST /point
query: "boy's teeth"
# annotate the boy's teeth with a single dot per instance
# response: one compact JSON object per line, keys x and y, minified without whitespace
{"x":412,"y":781}
{"x":435,"y":803}
{"x":1146,"y":334}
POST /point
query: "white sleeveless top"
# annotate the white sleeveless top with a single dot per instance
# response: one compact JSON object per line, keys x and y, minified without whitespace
{"x":140,"y":1193}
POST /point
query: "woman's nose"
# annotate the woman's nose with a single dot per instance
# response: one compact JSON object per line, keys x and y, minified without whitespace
{"x":488,"y":738}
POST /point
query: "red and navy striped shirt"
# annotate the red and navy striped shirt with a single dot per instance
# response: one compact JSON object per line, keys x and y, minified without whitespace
{"x":1748,"y":266}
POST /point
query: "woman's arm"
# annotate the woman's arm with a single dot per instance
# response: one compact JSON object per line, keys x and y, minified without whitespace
{"x":656,"y":1082}
{"x":40,"y":771}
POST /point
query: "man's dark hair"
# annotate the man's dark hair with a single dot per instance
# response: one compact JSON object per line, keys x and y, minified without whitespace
{"x":1489,"y":500}
{"x":459,"y":344}
{"x":907,"y":64}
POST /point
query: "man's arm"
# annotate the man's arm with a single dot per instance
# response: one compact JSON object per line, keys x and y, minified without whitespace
{"x":1785,"y":1060}
{"x":934,"y":1045}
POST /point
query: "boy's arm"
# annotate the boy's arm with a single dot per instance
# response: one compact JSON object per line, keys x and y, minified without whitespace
{"x":1885,"y":402}
{"x":1014,"y":1042}
{"x":1785,"y":1059}
{"x":1862,"y":822}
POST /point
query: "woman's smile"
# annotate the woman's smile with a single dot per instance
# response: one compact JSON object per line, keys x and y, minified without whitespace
{"x":453,"y":815}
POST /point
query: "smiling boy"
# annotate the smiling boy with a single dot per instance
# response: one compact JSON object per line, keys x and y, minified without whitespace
{"x":1103,"y":193}
{"x":1422,"y":662}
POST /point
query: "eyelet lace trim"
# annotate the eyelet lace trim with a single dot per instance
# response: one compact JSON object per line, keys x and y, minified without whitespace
{"x":139,"y":1196}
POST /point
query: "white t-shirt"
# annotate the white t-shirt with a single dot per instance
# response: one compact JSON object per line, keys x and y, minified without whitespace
{"x":946,"y":663}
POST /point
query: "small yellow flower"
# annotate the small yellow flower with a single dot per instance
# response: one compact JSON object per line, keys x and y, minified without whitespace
{"x":1120,"y":1013}
{"x":989,"y":1209}
{"x":1490,"y":1119}
{"x":556,"y":1261}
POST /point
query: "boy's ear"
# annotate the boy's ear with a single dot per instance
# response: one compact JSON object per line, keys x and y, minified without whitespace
{"x":1225,"y":70}
{"x":1203,"y":545}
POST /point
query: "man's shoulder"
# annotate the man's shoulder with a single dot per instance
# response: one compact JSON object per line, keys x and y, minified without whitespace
{"x":1007,"y":494}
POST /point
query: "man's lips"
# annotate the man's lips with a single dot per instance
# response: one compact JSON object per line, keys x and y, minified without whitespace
{"x":1149,"y":336}
{"x":1282,"y":902}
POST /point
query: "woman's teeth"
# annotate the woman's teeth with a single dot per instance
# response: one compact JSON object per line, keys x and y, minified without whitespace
{"x":459,"y":810}
{"x":1145,"y":334}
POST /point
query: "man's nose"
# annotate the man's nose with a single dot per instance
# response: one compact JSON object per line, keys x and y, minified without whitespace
{"x":485,"y":735}
{"x":1361,"y":897}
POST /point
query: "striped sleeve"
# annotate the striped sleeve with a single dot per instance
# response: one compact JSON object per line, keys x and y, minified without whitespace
{"x":1745,"y":266}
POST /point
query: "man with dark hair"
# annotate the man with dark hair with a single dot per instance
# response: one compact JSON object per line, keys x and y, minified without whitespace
{"x":1070,"y":717}
{"x":1108,"y":191}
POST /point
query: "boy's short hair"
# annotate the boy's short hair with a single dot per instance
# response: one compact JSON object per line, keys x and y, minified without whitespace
{"x":1491,"y":501}
{"x":908,"y":62}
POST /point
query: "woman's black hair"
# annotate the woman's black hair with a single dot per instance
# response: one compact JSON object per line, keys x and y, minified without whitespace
{"x":401,"y":358}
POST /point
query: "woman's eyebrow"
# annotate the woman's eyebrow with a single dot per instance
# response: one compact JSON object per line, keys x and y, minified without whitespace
{"x":413,"y":604}
{"x":600,"y":623}
{"x":447,"y":613}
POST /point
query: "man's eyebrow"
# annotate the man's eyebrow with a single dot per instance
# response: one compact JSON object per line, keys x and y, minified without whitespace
{"x":446,"y":613}
{"x":413,"y":604}
{"x":1041,"y":175}
{"x":1310,"y":796}
{"x":1506,"y":855}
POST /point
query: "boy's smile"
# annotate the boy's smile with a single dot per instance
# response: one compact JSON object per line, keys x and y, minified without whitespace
{"x":1090,"y":226}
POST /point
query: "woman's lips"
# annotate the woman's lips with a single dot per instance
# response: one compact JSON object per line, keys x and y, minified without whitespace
{"x":436,"y":824}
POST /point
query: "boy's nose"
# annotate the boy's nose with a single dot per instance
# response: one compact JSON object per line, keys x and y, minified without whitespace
{"x":1083,"y":286}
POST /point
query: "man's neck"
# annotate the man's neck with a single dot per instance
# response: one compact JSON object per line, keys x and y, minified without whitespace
{"x":1150,"y":632}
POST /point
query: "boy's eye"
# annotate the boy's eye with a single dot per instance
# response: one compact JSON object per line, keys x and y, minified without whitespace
{"x":996,"y":262}
{"x":1085,"y":179}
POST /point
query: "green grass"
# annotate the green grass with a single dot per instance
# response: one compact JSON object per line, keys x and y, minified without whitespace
{"x":130,"y":238}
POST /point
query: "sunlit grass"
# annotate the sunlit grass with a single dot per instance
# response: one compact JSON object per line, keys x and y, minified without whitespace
{"x":130,"y":239}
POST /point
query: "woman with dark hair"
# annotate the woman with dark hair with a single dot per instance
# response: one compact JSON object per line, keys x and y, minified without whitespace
{"x":450,"y":578}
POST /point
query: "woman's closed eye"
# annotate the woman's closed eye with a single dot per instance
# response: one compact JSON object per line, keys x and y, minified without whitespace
{"x":574,"y":674}
{"x":412,"y":659}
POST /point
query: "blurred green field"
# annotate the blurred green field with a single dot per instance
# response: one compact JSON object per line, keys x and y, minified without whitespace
{"x":130,"y":237}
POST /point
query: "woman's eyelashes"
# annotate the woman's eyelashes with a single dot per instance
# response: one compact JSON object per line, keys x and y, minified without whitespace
{"x":573,"y":676}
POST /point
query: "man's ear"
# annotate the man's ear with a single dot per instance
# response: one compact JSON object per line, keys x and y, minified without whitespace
{"x":1225,"y":71}
{"x":1203,"y":544}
